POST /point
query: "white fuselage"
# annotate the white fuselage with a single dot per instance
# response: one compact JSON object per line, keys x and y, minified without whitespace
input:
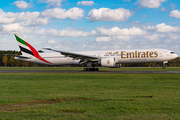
{"x":120,"y":56}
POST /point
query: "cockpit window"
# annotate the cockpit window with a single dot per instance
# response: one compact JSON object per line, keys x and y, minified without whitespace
{"x":172,"y":52}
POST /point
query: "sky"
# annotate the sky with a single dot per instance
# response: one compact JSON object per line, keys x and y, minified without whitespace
{"x":73,"y":25}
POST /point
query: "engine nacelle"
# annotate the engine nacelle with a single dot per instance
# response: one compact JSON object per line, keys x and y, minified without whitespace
{"x":107,"y":62}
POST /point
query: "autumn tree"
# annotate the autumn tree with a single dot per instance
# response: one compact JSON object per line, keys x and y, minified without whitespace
{"x":5,"y":60}
{"x":11,"y":61}
{"x":26,"y":64}
{"x":17,"y":63}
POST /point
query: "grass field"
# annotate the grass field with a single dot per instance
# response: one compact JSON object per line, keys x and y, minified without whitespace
{"x":89,"y":95}
{"x":100,"y":68}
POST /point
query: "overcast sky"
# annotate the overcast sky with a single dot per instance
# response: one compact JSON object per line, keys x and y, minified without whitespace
{"x":73,"y":25}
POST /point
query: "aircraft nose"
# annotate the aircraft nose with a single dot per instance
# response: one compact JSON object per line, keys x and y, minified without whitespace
{"x":176,"y":55}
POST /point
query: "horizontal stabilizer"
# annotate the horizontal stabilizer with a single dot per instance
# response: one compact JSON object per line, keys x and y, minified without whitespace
{"x":20,"y":56}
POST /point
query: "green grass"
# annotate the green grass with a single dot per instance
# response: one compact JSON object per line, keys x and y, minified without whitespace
{"x":100,"y":68}
{"x":89,"y":96}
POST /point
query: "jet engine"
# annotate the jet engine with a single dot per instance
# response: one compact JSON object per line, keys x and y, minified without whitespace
{"x":107,"y":62}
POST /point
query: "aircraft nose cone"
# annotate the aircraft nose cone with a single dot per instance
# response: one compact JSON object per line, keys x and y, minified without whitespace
{"x":176,"y":55}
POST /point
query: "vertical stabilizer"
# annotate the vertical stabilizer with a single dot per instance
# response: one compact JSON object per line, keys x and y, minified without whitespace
{"x":23,"y":45}
{"x":27,"y":49}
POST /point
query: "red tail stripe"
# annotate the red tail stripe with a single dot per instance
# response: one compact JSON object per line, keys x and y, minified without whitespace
{"x":36,"y":54}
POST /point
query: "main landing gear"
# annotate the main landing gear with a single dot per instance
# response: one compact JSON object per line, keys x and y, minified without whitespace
{"x":91,"y":69}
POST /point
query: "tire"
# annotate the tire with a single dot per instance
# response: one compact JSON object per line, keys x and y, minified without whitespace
{"x":97,"y":69}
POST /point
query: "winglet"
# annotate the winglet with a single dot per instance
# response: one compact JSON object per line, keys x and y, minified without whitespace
{"x":47,"y":48}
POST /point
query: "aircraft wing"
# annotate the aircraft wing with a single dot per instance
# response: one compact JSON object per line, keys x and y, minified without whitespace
{"x":20,"y":56}
{"x":75,"y":55}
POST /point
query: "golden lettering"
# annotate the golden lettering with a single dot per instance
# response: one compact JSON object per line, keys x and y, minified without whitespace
{"x":143,"y":55}
{"x":110,"y":53}
{"x":156,"y":53}
{"x":139,"y":54}
{"x":150,"y":54}
{"x":135,"y":54}
{"x":147,"y":54}
{"x":130,"y":53}
{"x":122,"y":54}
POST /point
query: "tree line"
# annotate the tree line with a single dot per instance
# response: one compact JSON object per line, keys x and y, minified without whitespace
{"x":9,"y":61}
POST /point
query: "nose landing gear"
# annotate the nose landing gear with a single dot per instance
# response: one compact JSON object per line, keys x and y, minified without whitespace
{"x":164,"y":64}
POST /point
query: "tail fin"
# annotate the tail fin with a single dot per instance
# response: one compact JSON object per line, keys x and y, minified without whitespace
{"x":27,"y":49}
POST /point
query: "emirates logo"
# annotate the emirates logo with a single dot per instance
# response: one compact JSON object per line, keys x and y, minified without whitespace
{"x":108,"y":62}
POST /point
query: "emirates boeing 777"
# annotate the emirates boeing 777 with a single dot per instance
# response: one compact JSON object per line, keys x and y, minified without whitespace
{"x":105,"y":58}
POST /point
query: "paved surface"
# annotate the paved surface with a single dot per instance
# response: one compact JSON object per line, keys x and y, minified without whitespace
{"x":73,"y":71}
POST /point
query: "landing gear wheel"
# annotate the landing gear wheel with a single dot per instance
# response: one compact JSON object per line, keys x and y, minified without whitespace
{"x":164,"y":64}
{"x":96,"y":69}
{"x":163,"y":67}
{"x":91,"y":69}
